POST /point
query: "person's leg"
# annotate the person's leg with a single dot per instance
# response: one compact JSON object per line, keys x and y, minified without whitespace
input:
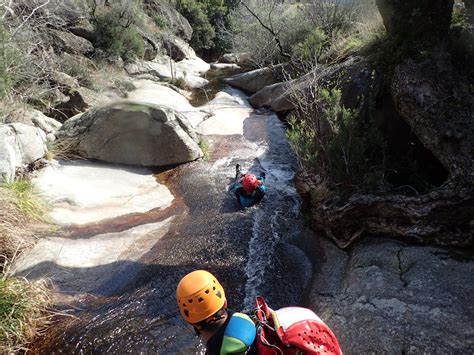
{"x":238,"y":172}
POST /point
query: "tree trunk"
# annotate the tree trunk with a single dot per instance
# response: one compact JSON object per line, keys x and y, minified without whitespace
{"x":425,"y":21}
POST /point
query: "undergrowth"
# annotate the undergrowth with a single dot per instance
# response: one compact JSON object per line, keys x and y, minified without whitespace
{"x":27,"y":198}
{"x":204,"y":145}
{"x":23,"y":306}
{"x":342,"y":145}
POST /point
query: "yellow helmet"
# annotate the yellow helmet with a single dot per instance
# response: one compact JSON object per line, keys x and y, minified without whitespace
{"x":199,"y":296}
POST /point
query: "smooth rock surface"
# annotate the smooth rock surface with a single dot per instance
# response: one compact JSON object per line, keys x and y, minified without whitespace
{"x":150,"y":92}
{"x":387,"y":297}
{"x":255,"y":80}
{"x":227,"y":111}
{"x":20,"y":144}
{"x":271,"y":96}
{"x":98,"y":264}
{"x":135,"y":133}
{"x":187,"y":69}
{"x":83,"y":192}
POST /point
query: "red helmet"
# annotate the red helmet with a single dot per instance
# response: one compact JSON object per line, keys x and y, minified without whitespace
{"x":293,"y":330}
{"x":303,"y":329}
{"x":250,"y":183}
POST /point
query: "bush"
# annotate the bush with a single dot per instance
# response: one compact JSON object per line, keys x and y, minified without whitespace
{"x":160,"y":21}
{"x":311,"y":48}
{"x":286,"y":20}
{"x":204,"y":145}
{"x":349,"y":154}
{"x":210,"y":20}
{"x":115,"y":28}
{"x":196,"y":13}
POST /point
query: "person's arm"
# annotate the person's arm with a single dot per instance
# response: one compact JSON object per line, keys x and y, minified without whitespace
{"x":259,"y":193}
{"x":238,"y":191}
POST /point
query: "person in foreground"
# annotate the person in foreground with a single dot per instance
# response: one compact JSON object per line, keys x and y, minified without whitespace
{"x":290,"y":330}
{"x":248,"y":188}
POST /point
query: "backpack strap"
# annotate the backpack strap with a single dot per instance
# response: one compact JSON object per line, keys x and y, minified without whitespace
{"x":239,"y":334}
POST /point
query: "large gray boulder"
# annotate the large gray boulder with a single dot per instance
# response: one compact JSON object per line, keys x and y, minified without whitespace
{"x":56,"y":13}
{"x":177,"y":49}
{"x":173,"y":20}
{"x":255,"y":80}
{"x":64,"y":41}
{"x":274,"y":96}
{"x":130,"y":132}
{"x":354,"y":76}
{"x":20,"y":145}
{"x":241,"y":59}
{"x":387,"y":297}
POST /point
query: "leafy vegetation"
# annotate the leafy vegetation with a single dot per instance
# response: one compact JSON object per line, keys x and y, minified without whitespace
{"x":210,"y":20}
{"x":341,"y":144}
{"x":115,"y":26}
{"x":204,"y":145}
{"x":160,"y":21}
{"x":311,"y":47}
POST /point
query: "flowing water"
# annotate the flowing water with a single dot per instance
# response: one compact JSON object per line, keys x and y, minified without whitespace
{"x":252,"y":251}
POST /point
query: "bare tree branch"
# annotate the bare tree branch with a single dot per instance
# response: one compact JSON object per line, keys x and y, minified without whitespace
{"x":270,"y":30}
{"x":28,"y":17}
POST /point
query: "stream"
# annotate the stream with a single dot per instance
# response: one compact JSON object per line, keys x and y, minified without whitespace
{"x":252,"y":251}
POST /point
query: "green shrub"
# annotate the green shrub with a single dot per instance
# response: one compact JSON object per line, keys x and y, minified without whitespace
{"x":204,"y":145}
{"x":196,"y":13}
{"x":160,"y":21}
{"x":302,"y":137}
{"x":115,"y":27}
{"x":311,"y":48}
{"x":350,"y":155}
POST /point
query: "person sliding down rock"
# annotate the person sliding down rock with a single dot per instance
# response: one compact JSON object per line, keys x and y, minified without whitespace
{"x":248,"y":188}
{"x":290,"y":330}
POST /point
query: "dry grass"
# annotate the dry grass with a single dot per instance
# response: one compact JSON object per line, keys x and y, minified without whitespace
{"x":23,"y":305}
{"x":14,"y":232}
{"x":27,"y":200}
{"x":62,"y":149}
{"x":23,"y":312}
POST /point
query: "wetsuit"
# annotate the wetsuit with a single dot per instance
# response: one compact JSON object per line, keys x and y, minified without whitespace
{"x":256,"y":195}
{"x":214,"y":344}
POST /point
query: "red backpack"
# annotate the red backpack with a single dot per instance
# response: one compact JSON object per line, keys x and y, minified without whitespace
{"x":293,"y":331}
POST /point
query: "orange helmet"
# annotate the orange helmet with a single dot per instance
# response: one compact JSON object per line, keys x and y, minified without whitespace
{"x":199,"y":296}
{"x":250,"y":183}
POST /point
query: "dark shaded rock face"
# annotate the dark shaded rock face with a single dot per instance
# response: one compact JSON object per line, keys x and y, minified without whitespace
{"x":386,"y":297}
{"x":416,"y":20}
